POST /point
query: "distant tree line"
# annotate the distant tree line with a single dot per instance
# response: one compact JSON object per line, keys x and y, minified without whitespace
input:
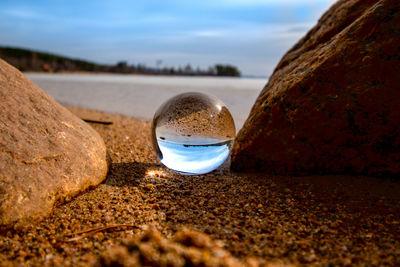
{"x":28,"y":60}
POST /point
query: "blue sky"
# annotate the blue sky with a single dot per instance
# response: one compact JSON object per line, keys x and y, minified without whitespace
{"x":250,"y":34}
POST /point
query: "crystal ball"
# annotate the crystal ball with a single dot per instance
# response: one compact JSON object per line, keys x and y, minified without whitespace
{"x":193,"y":133}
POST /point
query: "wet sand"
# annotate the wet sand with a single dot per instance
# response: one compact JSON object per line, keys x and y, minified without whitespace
{"x":318,"y":220}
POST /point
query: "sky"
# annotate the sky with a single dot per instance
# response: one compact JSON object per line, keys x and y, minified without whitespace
{"x":249,"y":34}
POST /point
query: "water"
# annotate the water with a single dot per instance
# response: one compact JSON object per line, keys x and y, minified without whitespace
{"x":194,"y":158}
{"x":141,"y":95}
{"x":193,"y":133}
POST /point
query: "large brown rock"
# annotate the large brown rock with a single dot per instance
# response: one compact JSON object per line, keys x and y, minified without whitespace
{"x":332,"y":104}
{"x":46,"y":153}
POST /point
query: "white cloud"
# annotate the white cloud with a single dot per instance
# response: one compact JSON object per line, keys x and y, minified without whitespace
{"x":252,"y":31}
{"x":207,"y":33}
{"x":23,"y":14}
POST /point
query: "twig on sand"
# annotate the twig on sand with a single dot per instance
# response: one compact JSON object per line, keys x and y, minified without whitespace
{"x":89,"y":232}
{"x":97,"y":121}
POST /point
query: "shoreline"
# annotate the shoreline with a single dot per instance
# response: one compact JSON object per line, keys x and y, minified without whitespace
{"x":147,"y":74}
{"x":140,"y":95}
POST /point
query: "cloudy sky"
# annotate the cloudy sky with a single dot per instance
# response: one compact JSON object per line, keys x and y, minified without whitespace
{"x":250,"y":34}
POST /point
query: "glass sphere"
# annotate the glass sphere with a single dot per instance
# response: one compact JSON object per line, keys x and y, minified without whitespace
{"x":193,"y":133}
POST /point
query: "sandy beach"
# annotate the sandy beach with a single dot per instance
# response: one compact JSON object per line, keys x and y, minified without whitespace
{"x":309,"y":175}
{"x":257,"y":218}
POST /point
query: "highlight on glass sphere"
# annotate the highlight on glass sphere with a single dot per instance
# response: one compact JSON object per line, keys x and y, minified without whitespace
{"x":193,"y":133}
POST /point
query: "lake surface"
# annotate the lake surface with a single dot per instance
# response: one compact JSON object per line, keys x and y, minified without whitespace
{"x":141,"y":95}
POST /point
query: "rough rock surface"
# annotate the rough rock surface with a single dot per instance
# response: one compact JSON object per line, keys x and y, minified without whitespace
{"x":332,"y":104}
{"x":46,"y":153}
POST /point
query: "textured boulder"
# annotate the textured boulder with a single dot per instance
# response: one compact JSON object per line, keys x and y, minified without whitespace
{"x":332,"y":104}
{"x":46,"y":153}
